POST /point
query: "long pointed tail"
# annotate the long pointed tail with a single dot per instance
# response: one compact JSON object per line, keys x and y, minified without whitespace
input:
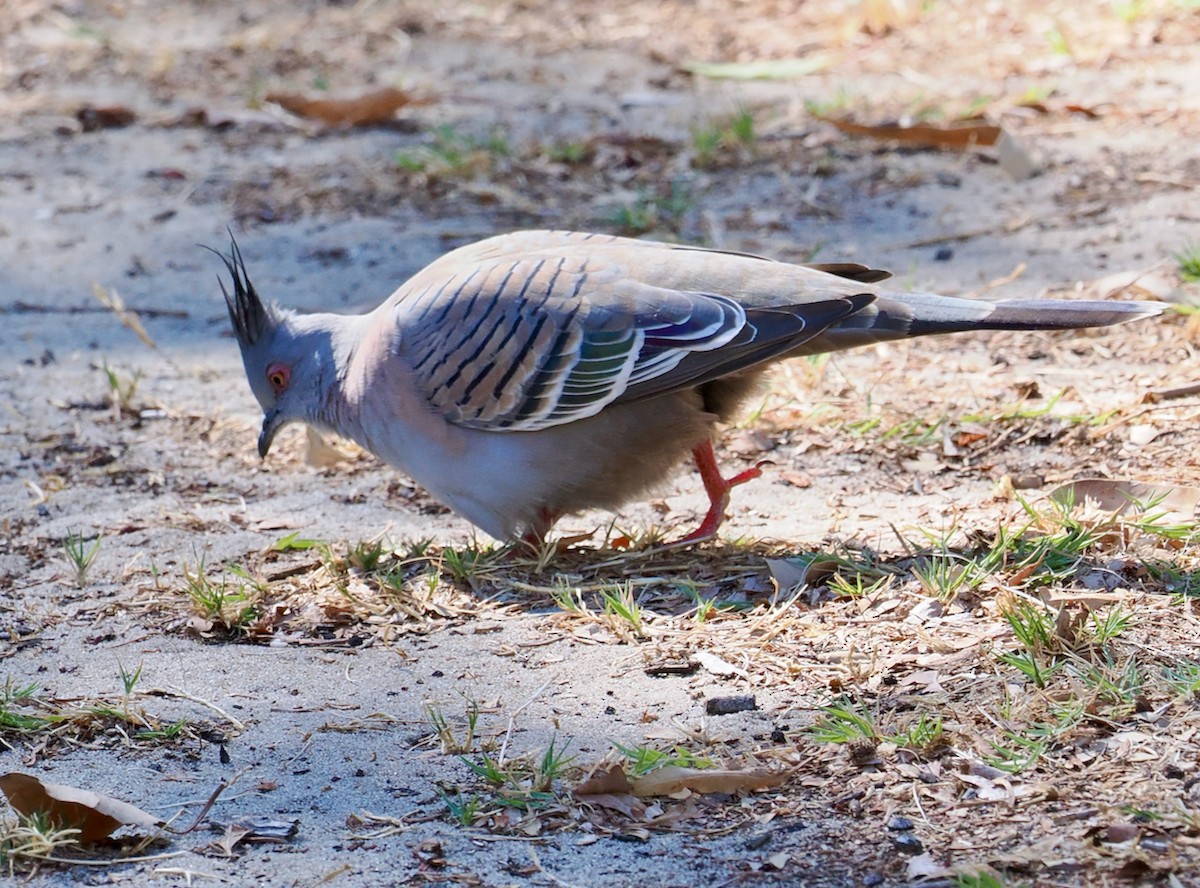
{"x":898,"y":315}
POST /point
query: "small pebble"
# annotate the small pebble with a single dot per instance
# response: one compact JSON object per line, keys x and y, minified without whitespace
{"x":907,"y":843}
{"x":943,"y":254}
{"x":729,"y":705}
{"x":755,"y":842}
{"x":899,"y":823}
{"x":872,"y":879}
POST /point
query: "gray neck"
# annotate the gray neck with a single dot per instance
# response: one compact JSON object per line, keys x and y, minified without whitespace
{"x":331,"y":339}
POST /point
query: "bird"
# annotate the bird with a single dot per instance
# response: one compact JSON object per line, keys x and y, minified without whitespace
{"x":537,"y":374}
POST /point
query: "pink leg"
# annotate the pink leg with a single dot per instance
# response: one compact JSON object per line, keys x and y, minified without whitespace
{"x":536,"y":535}
{"x":718,"y":489}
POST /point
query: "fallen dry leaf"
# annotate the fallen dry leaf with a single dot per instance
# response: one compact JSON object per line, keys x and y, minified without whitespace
{"x":1013,"y":157}
{"x":322,"y":454}
{"x":379,"y":106}
{"x":1141,"y":284}
{"x":1121,"y":832}
{"x":1118,"y":495}
{"x":610,"y":788}
{"x":95,"y":816}
{"x":717,"y":666}
{"x":675,"y":779}
{"x":957,"y":136}
{"x":605,"y":780}
{"x":629,"y":805}
{"x":789,"y":573}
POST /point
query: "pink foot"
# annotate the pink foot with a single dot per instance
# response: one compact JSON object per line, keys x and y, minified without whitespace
{"x":533,"y":539}
{"x":718,"y":489}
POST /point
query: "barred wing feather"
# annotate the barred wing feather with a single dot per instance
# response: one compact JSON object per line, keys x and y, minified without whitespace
{"x":522,"y":344}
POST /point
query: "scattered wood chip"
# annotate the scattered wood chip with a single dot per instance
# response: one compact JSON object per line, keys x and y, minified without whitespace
{"x":95,"y":816}
{"x":93,"y":118}
{"x":730,"y":705}
{"x":674,"y":667}
{"x":1142,"y":434}
{"x":1183,"y":391}
{"x":714,"y":664}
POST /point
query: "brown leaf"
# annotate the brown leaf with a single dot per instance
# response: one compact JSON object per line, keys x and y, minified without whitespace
{"x":801,"y":480}
{"x":607,"y":780}
{"x":748,"y":442}
{"x":610,"y":787}
{"x":957,"y":136}
{"x":1121,"y":832}
{"x":95,"y":816}
{"x":1118,"y":495}
{"x":674,"y":779}
{"x":629,"y":805}
{"x":379,"y":106}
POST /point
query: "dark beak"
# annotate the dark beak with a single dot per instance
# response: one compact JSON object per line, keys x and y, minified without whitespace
{"x":272,"y":423}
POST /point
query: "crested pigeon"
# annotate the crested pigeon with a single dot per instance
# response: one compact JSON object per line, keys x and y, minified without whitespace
{"x":541,"y":373}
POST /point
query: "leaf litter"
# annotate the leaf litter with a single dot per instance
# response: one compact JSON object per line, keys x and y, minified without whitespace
{"x":1038,"y":713}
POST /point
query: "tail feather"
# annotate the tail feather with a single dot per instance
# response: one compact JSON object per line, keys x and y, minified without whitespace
{"x":896,"y":315}
{"x":1061,"y":314}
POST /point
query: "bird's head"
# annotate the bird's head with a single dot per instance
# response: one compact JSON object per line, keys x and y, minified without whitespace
{"x":284,"y":354}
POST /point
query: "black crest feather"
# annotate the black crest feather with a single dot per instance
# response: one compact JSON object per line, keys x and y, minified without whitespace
{"x":246,"y":311}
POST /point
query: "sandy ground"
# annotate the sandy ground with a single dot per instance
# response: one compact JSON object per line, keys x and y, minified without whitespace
{"x":326,"y":218}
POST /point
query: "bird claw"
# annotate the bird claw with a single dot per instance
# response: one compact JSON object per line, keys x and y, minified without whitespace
{"x":718,"y":490}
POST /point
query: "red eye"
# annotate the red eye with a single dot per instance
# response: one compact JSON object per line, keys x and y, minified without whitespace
{"x":278,"y":375}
